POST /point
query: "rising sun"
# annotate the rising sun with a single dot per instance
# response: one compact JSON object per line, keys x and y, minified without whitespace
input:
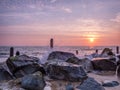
{"x":91,"y":39}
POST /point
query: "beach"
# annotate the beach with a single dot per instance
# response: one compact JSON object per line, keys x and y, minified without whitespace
{"x":43,"y":55}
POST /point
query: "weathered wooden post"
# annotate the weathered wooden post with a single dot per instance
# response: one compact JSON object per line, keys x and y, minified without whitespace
{"x":96,"y":51}
{"x":117,"y":49}
{"x":51,"y":43}
{"x":17,"y":53}
{"x":11,"y":51}
{"x":76,"y":52}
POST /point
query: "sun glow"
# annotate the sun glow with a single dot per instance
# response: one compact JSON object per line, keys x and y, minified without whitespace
{"x":91,"y":39}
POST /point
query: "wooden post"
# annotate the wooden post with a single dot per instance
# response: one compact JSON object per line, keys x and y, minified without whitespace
{"x":76,"y":52}
{"x":51,"y":43}
{"x":11,"y":51}
{"x":17,"y":53}
{"x":117,"y":49}
{"x":96,"y":51}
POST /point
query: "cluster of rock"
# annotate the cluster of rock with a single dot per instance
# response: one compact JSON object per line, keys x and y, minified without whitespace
{"x":59,"y":66}
{"x":70,"y":68}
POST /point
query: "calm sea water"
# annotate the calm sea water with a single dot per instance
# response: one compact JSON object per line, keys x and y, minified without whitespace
{"x":43,"y":51}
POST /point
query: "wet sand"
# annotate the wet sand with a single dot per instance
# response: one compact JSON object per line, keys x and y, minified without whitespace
{"x":101,"y":78}
{"x":60,"y":85}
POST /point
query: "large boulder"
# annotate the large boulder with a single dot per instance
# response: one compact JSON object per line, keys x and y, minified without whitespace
{"x":33,"y":82}
{"x":74,"y":60}
{"x":20,"y":67}
{"x":60,"y":55}
{"x":104,"y":65}
{"x":107,"y":83}
{"x":107,"y":52}
{"x":118,"y":59}
{"x":118,"y":71}
{"x":65,"y":71}
{"x":86,"y":63}
{"x":25,"y":58}
{"x":90,"y":84}
{"x":4,"y":74}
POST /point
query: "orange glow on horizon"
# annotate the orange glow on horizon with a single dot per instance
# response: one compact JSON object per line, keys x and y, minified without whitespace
{"x":91,"y":40}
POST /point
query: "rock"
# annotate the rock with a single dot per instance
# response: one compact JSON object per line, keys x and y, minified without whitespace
{"x":20,"y":67}
{"x":60,"y":55}
{"x":90,"y":84}
{"x":104,"y":65}
{"x":118,"y":57}
{"x":118,"y":71}
{"x":65,"y":71}
{"x":110,"y":83}
{"x":74,"y":60}
{"x":118,"y":61}
{"x":26,"y":58}
{"x":27,"y":69}
{"x":107,"y":52}
{"x":4,"y":74}
{"x":33,"y":82}
{"x":86,"y":63}
{"x":69,"y":87}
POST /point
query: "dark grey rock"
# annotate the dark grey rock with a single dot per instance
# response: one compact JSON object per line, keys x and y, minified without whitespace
{"x":74,"y":60}
{"x":118,"y":71}
{"x":69,"y":86}
{"x":104,"y":65}
{"x":20,"y":67}
{"x":90,"y":84}
{"x":118,"y":62}
{"x":107,"y":52}
{"x":110,"y":84}
{"x":26,"y":58}
{"x":60,"y":55}
{"x":4,"y":74}
{"x":86,"y":63}
{"x":65,"y":71}
{"x":33,"y":82}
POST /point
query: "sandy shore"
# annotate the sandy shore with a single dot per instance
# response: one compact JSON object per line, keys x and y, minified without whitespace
{"x":60,"y":85}
{"x":101,"y":78}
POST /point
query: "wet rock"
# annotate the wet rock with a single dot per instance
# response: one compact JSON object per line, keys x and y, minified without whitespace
{"x":118,"y":61}
{"x":90,"y":84}
{"x":20,"y":67}
{"x":107,"y":52}
{"x":118,"y":71}
{"x":74,"y":60}
{"x":65,"y":71}
{"x":110,"y":83}
{"x":104,"y":65}
{"x":33,"y":82}
{"x":4,"y":74}
{"x":86,"y":63}
{"x":118,"y":57}
{"x":26,"y":58}
{"x":60,"y":55}
{"x":69,"y":86}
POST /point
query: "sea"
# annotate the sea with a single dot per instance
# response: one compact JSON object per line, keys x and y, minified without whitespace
{"x":42,"y":52}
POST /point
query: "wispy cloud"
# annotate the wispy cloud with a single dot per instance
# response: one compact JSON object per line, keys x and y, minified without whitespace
{"x":53,"y":1}
{"x":67,"y":10}
{"x":117,"y":18}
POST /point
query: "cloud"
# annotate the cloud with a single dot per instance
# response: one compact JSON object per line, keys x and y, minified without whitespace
{"x":117,"y":18}
{"x":67,"y":10}
{"x":53,"y":1}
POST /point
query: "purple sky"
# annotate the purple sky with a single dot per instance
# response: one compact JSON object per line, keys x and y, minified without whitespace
{"x":69,"y":22}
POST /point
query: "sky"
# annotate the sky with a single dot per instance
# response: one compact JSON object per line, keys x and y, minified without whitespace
{"x":69,"y":22}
